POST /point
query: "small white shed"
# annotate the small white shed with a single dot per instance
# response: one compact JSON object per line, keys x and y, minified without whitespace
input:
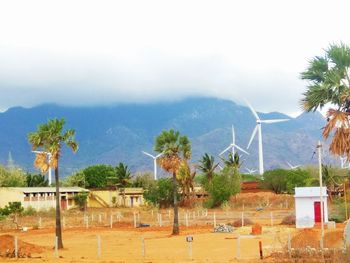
{"x":308,"y":206}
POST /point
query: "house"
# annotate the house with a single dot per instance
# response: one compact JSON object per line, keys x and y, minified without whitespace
{"x":129,"y":197}
{"x":308,"y":206}
{"x":39,"y":197}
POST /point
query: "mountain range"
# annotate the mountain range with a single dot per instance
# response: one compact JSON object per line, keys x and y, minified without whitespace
{"x":118,"y":133}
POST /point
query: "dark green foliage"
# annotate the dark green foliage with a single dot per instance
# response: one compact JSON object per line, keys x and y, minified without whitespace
{"x":96,"y":176}
{"x":12,"y":208}
{"x":36,"y":180}
{"x":160,"y":193}
{"x":221,"y":188}
{"x":123,"y":175}
{"x":80,"y":199}
{"x":284,"y":181}
{"x":207,"y":165}
{"x":77,"y":179}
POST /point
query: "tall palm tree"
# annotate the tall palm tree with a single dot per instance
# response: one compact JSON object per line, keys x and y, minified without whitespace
{"x":186,"y":177}
{"x":328,"y":79}
{"x":208,"y":166}
{"x":123,"y":175}
{"x":50,"y":137}
{"x":175,"y":149}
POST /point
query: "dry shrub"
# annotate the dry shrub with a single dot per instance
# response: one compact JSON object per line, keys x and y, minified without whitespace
{"x":288,"y":220}
{"x":246,"y":221}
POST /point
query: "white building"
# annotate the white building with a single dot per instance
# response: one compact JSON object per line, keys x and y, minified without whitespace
{"x":39,"y":197}
{"x":308,"y":206}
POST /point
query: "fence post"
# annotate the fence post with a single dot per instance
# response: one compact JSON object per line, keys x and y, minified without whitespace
{"x":186,"y":220}
{"x":289,"y":246}
{"x":214,"y":219}
{"x":111,"y":221}
{"x":238,"y":252}
{"x":39,"y":222}
{"x":143,"y":248}
{"x":242,"y":219}
{"x":160,"y":219}
{"x":135,"y":223}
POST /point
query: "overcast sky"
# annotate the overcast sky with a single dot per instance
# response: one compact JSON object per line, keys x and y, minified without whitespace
{"x":103,"y":52}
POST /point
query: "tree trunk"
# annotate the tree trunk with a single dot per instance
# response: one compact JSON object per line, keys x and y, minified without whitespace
{"x":58,"y":211}
{"x":176,"y":229}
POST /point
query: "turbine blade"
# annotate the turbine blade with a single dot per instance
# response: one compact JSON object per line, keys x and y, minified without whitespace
{"x":252,"y":110}
{"x":150,"y":155}
{"x":239,"y":148}
{"x":274,"y":121}
{"x":228,"y":148}
{"x":159,"y":155}
{"x":291,"y":166}
{"x":253,"y":134}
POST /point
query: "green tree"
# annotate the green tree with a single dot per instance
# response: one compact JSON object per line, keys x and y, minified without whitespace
{"x":80,"y":200}
{"x":97,"y":176}
{"x":160,"y":193}
{"x":275,"y":180}
{"x":76,"y":179}
{"x":175,"y":149}
{"x":329,"y":83}
{"x":50,"y":138}
{"x":220,"y":189}
{"x":36,"y":180}
{"x":123,"y":175}
{"x":143,"y":180}
{"x":207,"y":166}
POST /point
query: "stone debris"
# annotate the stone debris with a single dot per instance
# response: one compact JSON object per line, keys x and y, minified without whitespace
{"x":222,"y":228}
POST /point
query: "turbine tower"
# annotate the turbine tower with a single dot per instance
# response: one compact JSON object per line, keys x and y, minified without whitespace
{"x":154,"y":162}
{"x":233,"y":145}
{"x":258,"y":129}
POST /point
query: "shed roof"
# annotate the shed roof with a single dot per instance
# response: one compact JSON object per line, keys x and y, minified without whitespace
{"x":49,"y":189}
{"x":310,"y":191}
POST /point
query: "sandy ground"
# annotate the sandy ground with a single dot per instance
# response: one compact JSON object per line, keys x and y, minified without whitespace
{"x":125,"y":244}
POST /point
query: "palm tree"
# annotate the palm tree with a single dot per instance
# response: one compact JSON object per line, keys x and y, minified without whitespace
{"x":50,"y":137}
{"x":123,"y":175}
{"x":328,"y":79}
{"x":175,"y":149}
{"x":186,"y":179}
{"x":208,"y":166}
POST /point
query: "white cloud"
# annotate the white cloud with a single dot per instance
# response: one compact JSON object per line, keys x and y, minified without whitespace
{"x":96,"y":52}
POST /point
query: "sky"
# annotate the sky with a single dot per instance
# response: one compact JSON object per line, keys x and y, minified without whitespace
{"x":105,"y":52}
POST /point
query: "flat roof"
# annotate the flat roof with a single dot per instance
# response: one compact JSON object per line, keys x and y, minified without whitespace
{"x":310,"y":191}
{"x":48,"y":189}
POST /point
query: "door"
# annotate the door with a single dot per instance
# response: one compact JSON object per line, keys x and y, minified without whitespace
{"x":317,"y":211}
{"x":63,"y":203}
{"x":131,"y":201}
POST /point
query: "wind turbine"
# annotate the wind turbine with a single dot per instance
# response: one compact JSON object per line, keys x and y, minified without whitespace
{"x":258,"y":128}
{"x":154,"y":162}
{"x":293,"y":166}
{"x":233,"y":145}
{"x":250,"y":171}
{"x":49,"y":157}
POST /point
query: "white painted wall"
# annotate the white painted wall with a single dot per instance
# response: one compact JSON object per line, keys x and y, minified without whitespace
{"x":304,"y":211}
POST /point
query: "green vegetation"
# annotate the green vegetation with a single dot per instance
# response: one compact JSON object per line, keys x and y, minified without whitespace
{"x":284,"y":181}
{"x":36,"y":180}
{"x":160,"y":193}
{"x":80,"y":200}
{"x":11,"y":208}
{"x":12,"y":177}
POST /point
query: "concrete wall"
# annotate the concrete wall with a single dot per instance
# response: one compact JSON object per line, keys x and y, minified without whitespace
{"x":304,"y":211}
{"x":103,"y":198}
{"x":10,"y":195}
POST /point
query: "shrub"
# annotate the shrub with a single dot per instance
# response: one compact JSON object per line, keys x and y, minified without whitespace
{"x":288,"y":220}
{"x":29,"y":211}
{"x":160,"y":193}
{"x":80,"y":200}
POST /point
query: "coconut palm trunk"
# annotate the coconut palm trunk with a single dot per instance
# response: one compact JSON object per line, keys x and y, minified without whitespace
{"x":58,"y":211}
{"x":176,"y":229}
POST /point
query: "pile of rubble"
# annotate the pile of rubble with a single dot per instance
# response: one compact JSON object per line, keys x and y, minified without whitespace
{"x":222,"y":228}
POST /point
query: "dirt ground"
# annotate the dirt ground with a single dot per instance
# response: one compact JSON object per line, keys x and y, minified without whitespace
{"x":125,"y":244}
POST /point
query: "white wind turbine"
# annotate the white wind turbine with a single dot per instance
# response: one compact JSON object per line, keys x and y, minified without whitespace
{"x":154,"y":162}
{"x":293,"y":166}
{"x":250,"y":171}
{"x":343,"y":161}
{"x":258,"y":128}
{"x":233,"y":145}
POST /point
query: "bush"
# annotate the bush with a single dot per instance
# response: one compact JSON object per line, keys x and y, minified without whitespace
{"x":221,"y":188}
{"x":29,"y":211}
{"x":288,"y":220}
{"x":160,"y":193}
{"x":11,"y":208}
{"x":80,"y":200}
{"x":246,"y":221}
